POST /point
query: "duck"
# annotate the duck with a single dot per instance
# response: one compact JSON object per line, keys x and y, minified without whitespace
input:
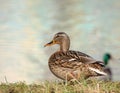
{"x":107,"y":69}
{"x":68,"y":64}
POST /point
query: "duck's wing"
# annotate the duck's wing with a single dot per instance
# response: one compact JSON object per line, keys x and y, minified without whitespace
{"x":84,"y":58}
{"x":74,"y":57}
{"x":78,"y":53}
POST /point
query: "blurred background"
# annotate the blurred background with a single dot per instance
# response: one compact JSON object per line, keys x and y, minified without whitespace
{"x":27,"y":25}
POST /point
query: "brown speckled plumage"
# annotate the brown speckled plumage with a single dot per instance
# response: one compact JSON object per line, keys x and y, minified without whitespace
{"x":69,"y":64}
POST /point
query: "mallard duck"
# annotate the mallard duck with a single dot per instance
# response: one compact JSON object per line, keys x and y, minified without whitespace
{"x":106,"y":58}
{"x":68,"y":64}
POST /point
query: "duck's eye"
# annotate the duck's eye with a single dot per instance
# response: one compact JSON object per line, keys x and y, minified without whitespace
{"x":56,"y":36}
{"x":59,"y":35}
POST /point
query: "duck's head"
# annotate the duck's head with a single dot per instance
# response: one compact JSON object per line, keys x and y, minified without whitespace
{"x":106,"y":58}
{"x":62,"y":39}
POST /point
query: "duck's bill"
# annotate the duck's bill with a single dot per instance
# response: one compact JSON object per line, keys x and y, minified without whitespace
{"x":50,"y":43}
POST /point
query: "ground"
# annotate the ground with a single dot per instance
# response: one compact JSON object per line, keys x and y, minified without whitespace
{"x":62,"y":87}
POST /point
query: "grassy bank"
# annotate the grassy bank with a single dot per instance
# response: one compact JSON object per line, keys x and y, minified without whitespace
{"x":55,"y":87}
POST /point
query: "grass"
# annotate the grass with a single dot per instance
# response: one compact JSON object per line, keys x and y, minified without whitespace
{"x":60,"y":87}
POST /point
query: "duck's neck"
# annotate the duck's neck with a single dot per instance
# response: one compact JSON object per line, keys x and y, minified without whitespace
{"x":65,"y":45}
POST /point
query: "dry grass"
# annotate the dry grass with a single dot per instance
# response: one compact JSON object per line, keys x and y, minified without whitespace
{"x":58,"y":87}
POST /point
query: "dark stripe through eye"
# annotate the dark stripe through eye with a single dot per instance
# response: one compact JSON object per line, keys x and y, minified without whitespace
{"x":57,"y":36}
